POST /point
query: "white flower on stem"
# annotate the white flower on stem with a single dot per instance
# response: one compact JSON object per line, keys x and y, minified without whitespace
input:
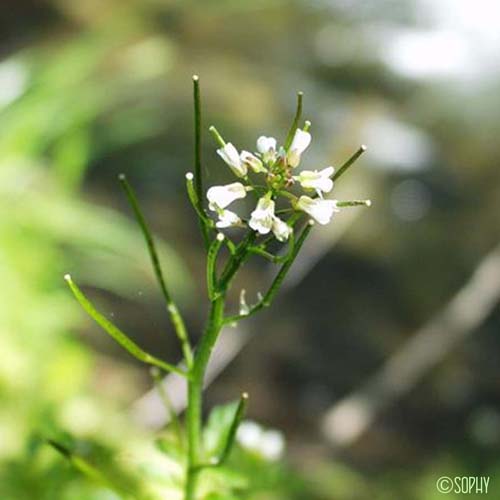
{"x":230,"y":155}
{"x":320,"y":210}
{"x":227,"y":219}
{"x":300,"y":142}
{"x":320,"y":180}
{"x":281,"y":229}
{"x":250,"y":160}
{"x":223,"y":196}
{"x":266,"y":146}
{"x":262,"y":218}
{"x":270,"y":444}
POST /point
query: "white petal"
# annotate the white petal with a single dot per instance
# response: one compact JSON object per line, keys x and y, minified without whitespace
{"x":320,"y":210}
{"x":301,"y":141}
{"x":281,"y":229}
{"x":230,"y":155}
{"x":265,"y":144}
{"x":261,"y":219}
{"x":223,"y":196}
{"x":228,"y":219}
{"x":252,"y":161}
{"x":320,"y":181}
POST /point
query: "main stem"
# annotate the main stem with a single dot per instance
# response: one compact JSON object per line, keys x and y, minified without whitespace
{"x":195,"y":390}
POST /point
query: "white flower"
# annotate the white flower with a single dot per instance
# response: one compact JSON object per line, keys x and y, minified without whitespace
{"x":252,"y":161}
{"x":230,"y":155}
{"x":266,"y":146}
{"x":318,"y":180}
{"x":262,"y":217}
{"x":300,"y":142}
{"x":223,"y":196}
{"x":227,"y":219}
{"x":270,"y":444}
{"x":320,"y":210}
{"x":281,"y":229}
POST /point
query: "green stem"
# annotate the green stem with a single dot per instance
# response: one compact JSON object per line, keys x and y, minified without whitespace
{"x":197,"y":373}
{"x":197,"y":137}
{"x":275,"y":259}
{"x":217,"y":136}
{"x":342,"y":170}
{"x":355,"y":203}
{"x":231,"y":435}
{"x":195,"y":389}
{"x":195,"y":202}
{"x":167,"y":403}
{"x":213,"y":252}
{"x":175,"y":316}
{"x":236,"y":260}
{"x":295,"y":123}
{"x":198,"y":179}
{"x":114,"y":332}
{"x":277,"y":282}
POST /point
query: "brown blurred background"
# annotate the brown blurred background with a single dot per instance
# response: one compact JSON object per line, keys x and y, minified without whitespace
{"x":381,"y":377}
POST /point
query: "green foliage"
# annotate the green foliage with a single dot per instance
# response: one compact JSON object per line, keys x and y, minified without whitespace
{"x":48,"y":372}
{"x":121,"y":338}
{"x":217,"y":428}
{"x":91,"y":100}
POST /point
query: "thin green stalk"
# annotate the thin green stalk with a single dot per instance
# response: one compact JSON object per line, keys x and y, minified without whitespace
{"x":264,"y":253}
{"x":230,"y":245}
{"x":218,"y":138}
{"x":198,"y":181}
{"x":193,"y":198}
{"x":213,"y":252}
{"x":236,"y":260}
{"x":90,"y":470}
{"x":288,"y":195}
{"x":238,"y":417}
{"x":275,"y":259}
{"x":167,"y":403}
{"x":120,"y":337}
{"x":231,"y":435}
{"x":173,"y":311}
{"x":277,"y":282}
{"x":198,"y":178}
{"x":354,"y":203}
{"x":295,"y":123}
{"x":342,"y":170}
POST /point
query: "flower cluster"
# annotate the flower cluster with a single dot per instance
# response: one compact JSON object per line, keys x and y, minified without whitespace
{"x":277,"y":167}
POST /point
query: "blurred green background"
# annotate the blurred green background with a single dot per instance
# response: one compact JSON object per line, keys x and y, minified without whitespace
{"x":92,"y":88}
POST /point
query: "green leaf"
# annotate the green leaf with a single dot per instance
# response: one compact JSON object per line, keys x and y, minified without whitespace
{"x":218,"y":427}
{"x":120,"y":337}
{"x":168,"y":443}
{"x":89,"y":470}
{"x":223,"y":483}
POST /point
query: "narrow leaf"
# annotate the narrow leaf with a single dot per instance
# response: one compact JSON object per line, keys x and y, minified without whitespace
{"x":120,"y":337}
{"x":84,"y":466}
{"x":220,"y":431}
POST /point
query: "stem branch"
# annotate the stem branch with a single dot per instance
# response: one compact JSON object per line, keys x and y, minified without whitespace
{"x":175,"y":316}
